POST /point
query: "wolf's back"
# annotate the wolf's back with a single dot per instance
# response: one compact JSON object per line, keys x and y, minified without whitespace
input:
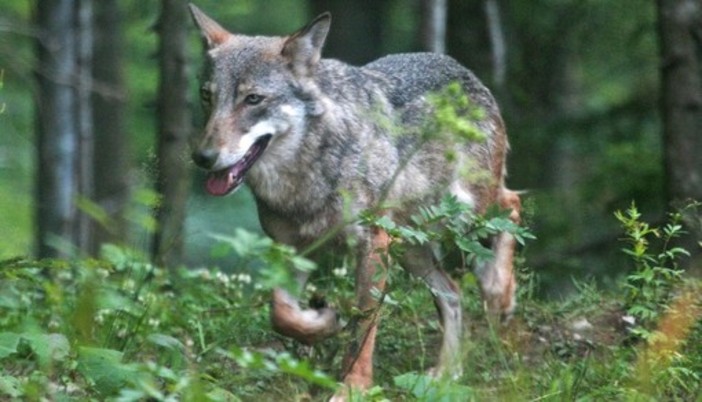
{"x":415,"y":74}
{"x":409,"y":78}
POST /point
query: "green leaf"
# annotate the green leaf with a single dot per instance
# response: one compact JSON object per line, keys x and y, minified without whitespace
{"x":222,"y":395}
{"x":303,"y":264}
{"x":8,"y":343}
{"x":104,"y":368}
{"x":10,"y":386}
{"x":48,"y":347}
{"x":474,"y":248}
{"x":166,"y":341}
{"x":95,"y":211}
{"x":274,"y":362}
{"x":115,"y":255}
{"x":384,"y":222}
{"x":426,"y":388}
{"x":303,"y":370}
{"x":244,"y":243}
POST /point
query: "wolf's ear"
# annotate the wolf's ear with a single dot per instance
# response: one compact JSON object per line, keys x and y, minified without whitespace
{"x":212,"y":33}
{"x":303,"y":49}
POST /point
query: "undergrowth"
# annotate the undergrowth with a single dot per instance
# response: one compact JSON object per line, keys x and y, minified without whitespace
{"x":119,"y":328}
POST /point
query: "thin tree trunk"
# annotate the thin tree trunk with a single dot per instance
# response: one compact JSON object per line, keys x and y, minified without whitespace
{"x":111,"y":162}
{"x":174,"y":125}
{"x":433,"y":25}
{"x":497,"y":42}
{"x":84,"y":118}
{"x":56,"y":125}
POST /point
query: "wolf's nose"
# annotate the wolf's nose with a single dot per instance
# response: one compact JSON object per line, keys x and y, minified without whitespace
{"x":206,"y":158}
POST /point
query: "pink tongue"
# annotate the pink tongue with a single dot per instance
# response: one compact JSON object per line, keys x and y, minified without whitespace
{"x":219,"y":183}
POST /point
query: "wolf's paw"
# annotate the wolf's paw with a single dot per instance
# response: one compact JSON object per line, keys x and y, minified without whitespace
{"x":340,"y":396}
{"x":306,"y":326}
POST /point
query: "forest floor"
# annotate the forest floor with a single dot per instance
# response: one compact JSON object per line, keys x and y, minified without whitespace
{"x":118,"y":328}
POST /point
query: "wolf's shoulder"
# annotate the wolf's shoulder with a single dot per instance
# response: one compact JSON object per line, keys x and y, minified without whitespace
{"x":411,"y":75}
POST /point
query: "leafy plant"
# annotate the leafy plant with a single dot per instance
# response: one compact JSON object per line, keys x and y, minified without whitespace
{"x":120,"y":328}
{"x":452,"y":224}
{"x":656,"y":272}
{"x":668,"y":308}
{"x":454,"y":115}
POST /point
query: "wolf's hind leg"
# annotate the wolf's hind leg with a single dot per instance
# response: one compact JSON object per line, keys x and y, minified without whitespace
{"x":497,"y":276}
{"x":420,"y":262}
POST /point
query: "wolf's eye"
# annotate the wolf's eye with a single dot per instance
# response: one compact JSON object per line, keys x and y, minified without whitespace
{"x":253,"y":99}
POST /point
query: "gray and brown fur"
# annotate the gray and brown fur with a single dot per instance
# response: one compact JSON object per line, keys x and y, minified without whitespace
{"x":347,"y":139}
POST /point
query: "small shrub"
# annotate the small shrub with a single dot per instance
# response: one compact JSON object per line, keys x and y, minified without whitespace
{"x":656,"y":273}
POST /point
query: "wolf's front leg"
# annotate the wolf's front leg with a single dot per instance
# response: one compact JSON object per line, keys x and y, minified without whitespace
{"x":306,"y":326}
{"x":420,"y":262}
{"x":497,"y":279}
{"x":357,"y":369}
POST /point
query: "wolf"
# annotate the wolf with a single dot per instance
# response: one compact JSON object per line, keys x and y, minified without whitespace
{"x":317,"y":140}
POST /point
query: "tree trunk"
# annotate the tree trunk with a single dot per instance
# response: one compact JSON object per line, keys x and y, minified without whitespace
{"x":433,"y":25}
{"x":680,"y":30}
{"x":84,"y":118}
{"x":56,"y":125}
{"x":111,"y":163}
{"x":174,"y":126}
{"x":680,"y":33}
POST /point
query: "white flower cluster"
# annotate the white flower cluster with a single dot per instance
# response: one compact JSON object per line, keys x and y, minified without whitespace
{"x":233,"y":279}
{"x":243,"y":278}
{"x":236,"y":278}
{"x":339,"y":272}
{"x":101,"y":314}
{"x":202,"y":273}
{"x":129,"y":284}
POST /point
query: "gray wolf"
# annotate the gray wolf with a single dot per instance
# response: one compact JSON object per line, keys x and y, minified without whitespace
{"x":316,"y":140}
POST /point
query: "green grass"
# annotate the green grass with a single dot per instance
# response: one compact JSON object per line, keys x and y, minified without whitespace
{"x":119,"y":328}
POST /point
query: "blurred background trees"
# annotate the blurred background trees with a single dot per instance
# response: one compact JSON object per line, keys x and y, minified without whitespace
{"x":174,"y":130}
{"x":602,"y":101}
{"x":111,"y":154}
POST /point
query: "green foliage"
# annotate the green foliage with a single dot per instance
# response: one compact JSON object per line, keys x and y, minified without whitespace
{"x":273,"y":362}
{"x":669,"y":309}
{"x":425,"y":388}
{"x":656,"y":273}
{"x":454,"y":115}
{"x":281,"y":261}
{"x":460,"y":232}
{"x":454,"y":225}
{"x":104,"y":370}
{"x":119,"y":328}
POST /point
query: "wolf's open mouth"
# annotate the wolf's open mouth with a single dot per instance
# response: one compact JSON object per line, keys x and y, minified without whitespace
{"x":223,"y":182}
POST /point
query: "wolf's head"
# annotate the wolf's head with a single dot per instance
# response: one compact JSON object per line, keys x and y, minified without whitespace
{"x":258,"y":93}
